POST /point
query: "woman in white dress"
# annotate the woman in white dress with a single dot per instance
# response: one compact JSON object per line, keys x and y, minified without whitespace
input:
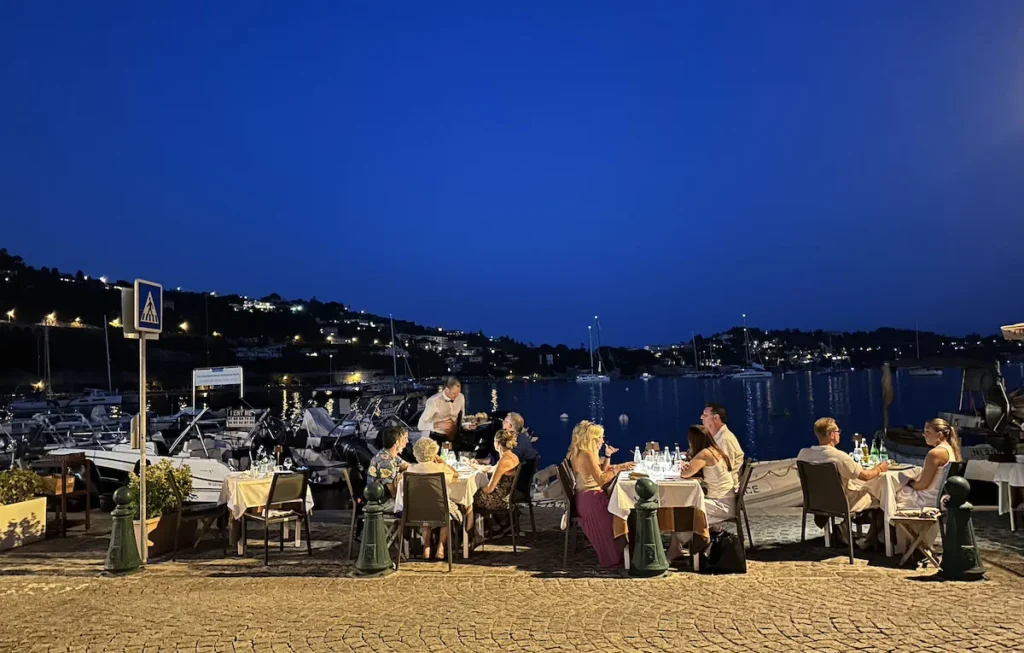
{"x":720,"y":499}
{"x":923,"y":491}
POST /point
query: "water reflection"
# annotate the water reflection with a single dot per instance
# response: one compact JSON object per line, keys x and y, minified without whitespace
{"x":597,"y":403}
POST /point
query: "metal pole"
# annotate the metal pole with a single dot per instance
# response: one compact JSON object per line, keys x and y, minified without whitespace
{"x":49,"y":379}
{"x":746,"y":341}
{"x":394,"y":353}
{"x":207,"y":330}
{"x":144,"y":540}
{"x":106,"y":339}
{"x":590,"y":336}
{"x":696,"y":359}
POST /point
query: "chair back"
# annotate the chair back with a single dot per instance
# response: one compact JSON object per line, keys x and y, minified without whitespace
{"x":652,"y":446}
{"x":287,"y":488}
{"x":176,"y":491}
{"x":346,"y":476}
{"x":822,"y":487}
{"x":425,"y":498}
{"x":568,"y":480}
{"x":745,"y":472}
{"x":523,"y":489}
{"x":953,"y":468}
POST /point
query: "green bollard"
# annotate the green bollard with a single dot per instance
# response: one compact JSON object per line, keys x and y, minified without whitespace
{"x":374,"y":555}
{"x":961,"y":558}
{"x":649,"y":553}
{"x":123,"y":553}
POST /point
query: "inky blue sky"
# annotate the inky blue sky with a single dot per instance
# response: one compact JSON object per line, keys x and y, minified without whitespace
{"x":519,"y":167}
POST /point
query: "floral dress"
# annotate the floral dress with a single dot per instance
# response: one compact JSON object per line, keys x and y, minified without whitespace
{"x":497,"y":500}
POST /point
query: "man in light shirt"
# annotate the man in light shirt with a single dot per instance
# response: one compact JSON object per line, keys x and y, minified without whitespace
{"x":854,"y":476}
{"x":443,"y":410}
{"x":714,"y":419}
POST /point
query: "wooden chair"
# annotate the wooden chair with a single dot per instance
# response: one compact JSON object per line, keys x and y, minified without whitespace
{"x":509,"y":508}
{"x":741,"y":509}
{"x":205,"y":513}
{"x":65,"y":464}
{"x":425,"y":504}
{"x":522,"y":492}
{"x":285,"y":490}
{"x":909,"y":523}
{"x":824,"y":495}
{"x":568,"y":480}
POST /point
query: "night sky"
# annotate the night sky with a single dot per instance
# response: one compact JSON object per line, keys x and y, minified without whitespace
{"x":520,"y":167}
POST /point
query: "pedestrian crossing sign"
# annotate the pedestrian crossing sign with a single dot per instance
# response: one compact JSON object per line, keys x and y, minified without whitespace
{"x":149,"y":306}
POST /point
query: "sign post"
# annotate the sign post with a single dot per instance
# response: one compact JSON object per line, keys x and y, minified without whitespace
{"x":214,"y":377}
{"x":149,"y":321}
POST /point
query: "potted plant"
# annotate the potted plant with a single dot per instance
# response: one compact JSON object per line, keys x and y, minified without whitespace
{"x":162,"y":506}
{"x":22,"y":514}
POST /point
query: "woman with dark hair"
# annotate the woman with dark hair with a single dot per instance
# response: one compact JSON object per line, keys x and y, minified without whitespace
{"x":720,"y":499}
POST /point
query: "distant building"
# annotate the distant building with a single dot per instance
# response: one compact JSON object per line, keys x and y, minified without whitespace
{"x":259,"y":353}
{"x":328,"y":331}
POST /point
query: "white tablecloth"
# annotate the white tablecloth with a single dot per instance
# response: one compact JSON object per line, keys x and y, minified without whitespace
{"x":885,"y":488}
{"x":462,"y":490}
{"x":674,"y":493}
{"x":1008,"y":475}
{"x":241,"y":492}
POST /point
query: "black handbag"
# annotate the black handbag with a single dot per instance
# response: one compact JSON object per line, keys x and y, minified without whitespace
{"x":725,"y":554}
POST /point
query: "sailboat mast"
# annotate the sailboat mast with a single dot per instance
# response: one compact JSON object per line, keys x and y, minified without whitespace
{"x":394,"y":354}
{"x":590,"y":336}
{"x":746,"y":339}
{"x":106,"y":338}
{"x":600,"y":360}
{"x":917,"y":341}
{"x":696,"y":358}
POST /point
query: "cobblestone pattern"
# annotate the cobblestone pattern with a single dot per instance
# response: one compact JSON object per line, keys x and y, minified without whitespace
{"x":794,"y":598}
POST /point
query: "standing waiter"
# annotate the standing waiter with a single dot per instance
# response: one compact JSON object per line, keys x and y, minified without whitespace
{"x":443,"y":413}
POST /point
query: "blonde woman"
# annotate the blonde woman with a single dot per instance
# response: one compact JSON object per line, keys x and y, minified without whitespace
{"x":592,"y":474}
{"x":429,"y":462}
{"x":496,"y":494}
{"x":923,"y":491}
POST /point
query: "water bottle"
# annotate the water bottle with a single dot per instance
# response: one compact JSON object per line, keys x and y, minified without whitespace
{"x":883,"y":455}
{"x":874,"y":451}
{"x":637,"y":457}
{"x":676,"y":454}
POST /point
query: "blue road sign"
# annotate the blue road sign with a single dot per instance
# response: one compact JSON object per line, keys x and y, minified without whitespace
{"x":149,"y":306}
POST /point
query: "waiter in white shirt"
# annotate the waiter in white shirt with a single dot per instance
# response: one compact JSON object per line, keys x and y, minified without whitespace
{"x":714,"y":419}
{"x":444,"y":410}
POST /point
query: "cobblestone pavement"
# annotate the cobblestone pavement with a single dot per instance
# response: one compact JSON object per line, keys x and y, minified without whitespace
{"x":795,"y":597}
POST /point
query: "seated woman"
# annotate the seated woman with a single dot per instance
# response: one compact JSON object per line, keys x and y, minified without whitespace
{"x":386,"y":465}
{"x":498,"y":492}
{"x":592,"y":474}
{"x":720,"y":498}
{"x":428,"y":462}
{"x":923,"y":492}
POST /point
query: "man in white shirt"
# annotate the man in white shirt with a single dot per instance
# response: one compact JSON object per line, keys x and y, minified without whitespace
{"x":853,"y":475}
{"x":443,"y":409}
{"x":714,"y":419}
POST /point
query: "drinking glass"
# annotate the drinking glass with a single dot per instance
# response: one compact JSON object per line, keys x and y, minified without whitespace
{"x":288,"y":464}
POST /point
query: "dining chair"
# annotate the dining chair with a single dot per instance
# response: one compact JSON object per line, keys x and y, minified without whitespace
{"x":522,"y":494}
{"x":356,"y":506}
{"x":568,"y":481}
{"x":509,"y":508}
{"x":822,"y":487}
{"x":741,"y":508}
{"x":205,"y":514}
{"x":425,"y":503}
{"x":916,"y":524}
{"x":286,"y":489}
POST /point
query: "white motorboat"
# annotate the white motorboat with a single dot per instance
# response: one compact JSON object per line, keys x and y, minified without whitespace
{"x":84,"y":402}
{"x":592,"y":378}
{"x":924,"y":371}
{"x":752,"y":373}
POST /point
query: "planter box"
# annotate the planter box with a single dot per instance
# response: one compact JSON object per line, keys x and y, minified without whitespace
{"x":22,"y":523}
{"x":161,"y":534}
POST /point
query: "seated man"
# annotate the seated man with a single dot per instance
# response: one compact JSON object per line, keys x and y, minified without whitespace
{"x":852,"y":473}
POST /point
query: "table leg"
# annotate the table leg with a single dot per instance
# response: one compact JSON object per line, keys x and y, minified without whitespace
{"x":235,"y":533}
{"x":466,"y":514}
{"x":625,"y":557}
{"x":887,"y":535}
{"x":1009,"y":504}
{"x":298,"y":536}
{"x":696,"y":562}
{"x":64,"y":501}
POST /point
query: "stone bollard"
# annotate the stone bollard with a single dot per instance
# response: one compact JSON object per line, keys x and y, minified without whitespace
{"x":961,"y":559}
{"x":374,"y":555}
{"x":123,"y":552}
{"x":648,"y":553}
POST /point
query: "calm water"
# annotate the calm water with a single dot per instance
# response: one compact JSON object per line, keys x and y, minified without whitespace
{"x":771,"y":417}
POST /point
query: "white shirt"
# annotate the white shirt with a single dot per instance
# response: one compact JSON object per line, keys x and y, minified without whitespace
{"x":730,"y":446}
{"x":439,"y":407}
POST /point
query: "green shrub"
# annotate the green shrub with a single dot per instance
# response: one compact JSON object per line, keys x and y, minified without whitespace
{"x":17,"y":485}
{"x":159,"y":495}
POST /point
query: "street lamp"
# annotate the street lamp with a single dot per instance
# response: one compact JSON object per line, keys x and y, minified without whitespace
{"x":10,"y":315}
{"x":184,"y":327}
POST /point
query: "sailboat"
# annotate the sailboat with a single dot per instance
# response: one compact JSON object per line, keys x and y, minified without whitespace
{"x":591,"y":377}
{"x":922,"y":371}
{"x":755,"y":370}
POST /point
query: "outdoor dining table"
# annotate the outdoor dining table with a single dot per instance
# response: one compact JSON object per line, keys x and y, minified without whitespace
{"x":242,"y":491}
{"x":1007,"y":476}
{"x":680,"y":508}
{"x":884,"y":488}
{"x":461,"y":491}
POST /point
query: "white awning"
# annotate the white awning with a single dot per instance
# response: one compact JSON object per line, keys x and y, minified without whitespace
{"x":1013,"y":331}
